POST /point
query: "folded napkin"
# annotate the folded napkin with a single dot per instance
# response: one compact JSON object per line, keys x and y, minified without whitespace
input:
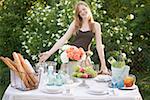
{"x":16,"y":82}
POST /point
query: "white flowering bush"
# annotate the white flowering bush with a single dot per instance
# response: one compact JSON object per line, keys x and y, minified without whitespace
{"x":46,"y":24}
{"x":116,"y":35}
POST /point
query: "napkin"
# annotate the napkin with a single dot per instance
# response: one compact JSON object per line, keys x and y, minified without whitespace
{"x":16,"y":82}
{"x":30,"y":66}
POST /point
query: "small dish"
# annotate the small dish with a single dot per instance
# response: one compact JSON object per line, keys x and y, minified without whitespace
{"x":96,"y":92}
{"x":52,"y":89}
{"x":51,"y":92}
{"x":102,"y":78}
{"x":128,"y":88}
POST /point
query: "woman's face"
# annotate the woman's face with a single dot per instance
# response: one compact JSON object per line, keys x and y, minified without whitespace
{"x":83,"y":11}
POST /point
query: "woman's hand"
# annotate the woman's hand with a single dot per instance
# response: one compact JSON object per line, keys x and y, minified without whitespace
{"x":44,"y":56}
{"x":104,"y":71}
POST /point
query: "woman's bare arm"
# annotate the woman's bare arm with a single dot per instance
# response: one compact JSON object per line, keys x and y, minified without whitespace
{"x":44,"y":56}
{"x":100,"y":47}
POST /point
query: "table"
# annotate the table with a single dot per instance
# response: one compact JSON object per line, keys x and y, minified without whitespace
{"x":79,"y":93}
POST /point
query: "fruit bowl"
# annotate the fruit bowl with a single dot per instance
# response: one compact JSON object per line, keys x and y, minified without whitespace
{"x":83,"y":74}
{"x":83,"y":82}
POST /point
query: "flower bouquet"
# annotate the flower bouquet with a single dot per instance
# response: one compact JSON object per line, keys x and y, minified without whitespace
{"x":72,"y":53}
{"x":71,"y":56}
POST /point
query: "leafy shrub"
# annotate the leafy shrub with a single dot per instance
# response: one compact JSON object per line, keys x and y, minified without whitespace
{"x":46,"y":24}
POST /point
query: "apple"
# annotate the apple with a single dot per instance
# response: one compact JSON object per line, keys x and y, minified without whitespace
{"x":89,"y":76}
{"x":79,"y":74}
{"x":81,"y":69}
{"x":84,"y":75}
{"x":76,"y":68}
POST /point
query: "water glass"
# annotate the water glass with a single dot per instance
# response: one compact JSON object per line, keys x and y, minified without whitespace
{"x":120,"y":83}
{"x":114,"y":83}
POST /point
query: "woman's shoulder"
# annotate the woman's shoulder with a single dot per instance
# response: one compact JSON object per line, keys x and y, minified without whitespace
{"x":96,"y":24}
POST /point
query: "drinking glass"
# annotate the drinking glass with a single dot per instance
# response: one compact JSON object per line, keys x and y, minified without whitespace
{"x":45,"y":65}
{"x":129,"y":80}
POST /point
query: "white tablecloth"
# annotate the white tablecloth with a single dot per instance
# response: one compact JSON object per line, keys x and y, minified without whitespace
{"x":79,"y":93}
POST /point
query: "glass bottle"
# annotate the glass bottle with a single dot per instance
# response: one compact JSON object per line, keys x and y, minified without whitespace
{"x":58,"y":80}
{"x":50,"y":75}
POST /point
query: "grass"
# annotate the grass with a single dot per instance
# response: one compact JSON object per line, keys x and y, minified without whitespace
{"x":143,"y":82}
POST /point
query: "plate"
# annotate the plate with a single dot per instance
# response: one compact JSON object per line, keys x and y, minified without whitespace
{"x":102,"y":78}
{"x":97,"y":92}
{"x":51,"y":92}
{"x":128,"y":88}
{"x":52,"y":89}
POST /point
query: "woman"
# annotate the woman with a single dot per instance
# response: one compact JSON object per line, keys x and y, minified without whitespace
{"x":84,"y":28}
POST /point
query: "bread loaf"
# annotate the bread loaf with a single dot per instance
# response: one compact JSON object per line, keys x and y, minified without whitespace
{"x":27,"y":69}
{"x":12,"y":66}
{"x":21,"y":69}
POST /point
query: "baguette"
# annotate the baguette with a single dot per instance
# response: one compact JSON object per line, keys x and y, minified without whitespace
{"x":27,"y":69}
{"x":9,"y":62}
{"x":14,"y":64}
{"x":21,"y":69}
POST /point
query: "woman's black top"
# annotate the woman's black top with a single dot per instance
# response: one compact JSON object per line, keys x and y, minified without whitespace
{"x":83,"y":39}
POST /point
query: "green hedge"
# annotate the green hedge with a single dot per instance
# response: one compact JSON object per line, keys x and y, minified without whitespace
{"x":31,"y":27}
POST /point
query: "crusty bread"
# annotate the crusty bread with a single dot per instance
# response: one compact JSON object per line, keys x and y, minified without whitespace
{"x":20,"y":69}
{"x":27,"y":69}
{"x":11,"y":65}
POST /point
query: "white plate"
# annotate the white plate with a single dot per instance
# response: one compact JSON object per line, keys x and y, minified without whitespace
{"x":52,"y":89}
{"x":95,"y":92}
{"x":128,"y":88}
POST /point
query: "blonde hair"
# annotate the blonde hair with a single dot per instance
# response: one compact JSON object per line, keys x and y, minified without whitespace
{"x":78,"y":19}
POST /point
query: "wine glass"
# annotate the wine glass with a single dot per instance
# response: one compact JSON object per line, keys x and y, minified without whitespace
{"x":68,"y":87}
